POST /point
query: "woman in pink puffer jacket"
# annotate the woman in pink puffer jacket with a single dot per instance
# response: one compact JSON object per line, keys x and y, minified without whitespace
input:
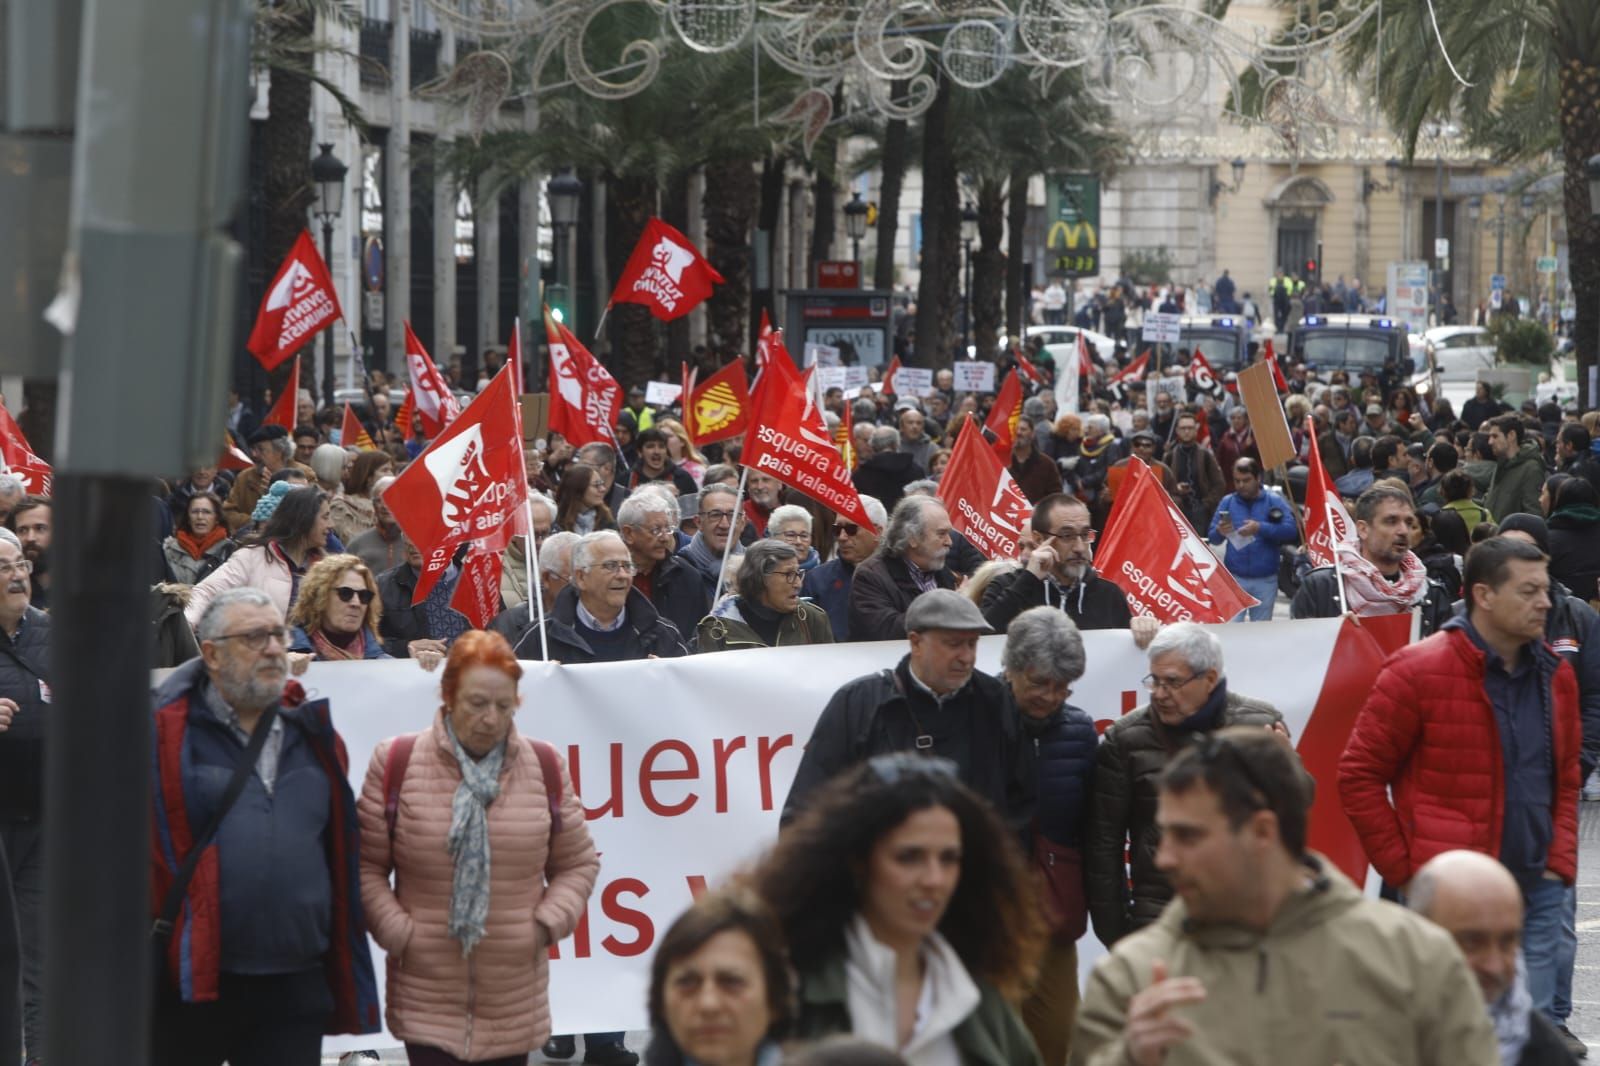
{"x":482,"y":888}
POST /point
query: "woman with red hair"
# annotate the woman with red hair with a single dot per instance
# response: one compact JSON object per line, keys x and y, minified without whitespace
{"x":492,"y":864}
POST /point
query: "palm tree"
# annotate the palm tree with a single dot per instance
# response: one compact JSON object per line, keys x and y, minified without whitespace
{"x":939,"y":284}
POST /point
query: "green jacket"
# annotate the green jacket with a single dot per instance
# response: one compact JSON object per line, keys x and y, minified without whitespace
{"x":1471,"y":512}
{"x":992,"y":1035}
{"x":1514,"y":488}
{"x":1336,"y":978}
{"x":725,"y":628}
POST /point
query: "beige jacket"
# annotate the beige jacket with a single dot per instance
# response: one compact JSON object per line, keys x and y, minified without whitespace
{"x":492,"y":1004}
{"x":1338,"y":980}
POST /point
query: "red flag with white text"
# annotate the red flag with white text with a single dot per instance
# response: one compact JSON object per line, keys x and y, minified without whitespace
{"x":1202,"y":373}
{"x":477,"y":593}
{"x":718,"y":407}
{"x":19,"y":458}
{"x":299,"y":304}
{"x":436,"y":405}
{"x":284,"y":408}
{"x":1328,"y":524}
{"x":468,"y":484}
{"x":1134,"y":371}
{"x":665,"y":273}
{"x":789,"y":440}
{"x":585,"y":399}
{"x":984,"y":502}
{"x":1159,"y":561}
{"x":1002,"y":421}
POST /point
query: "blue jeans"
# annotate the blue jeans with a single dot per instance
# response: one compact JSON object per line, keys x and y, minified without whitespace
{"x":1566,"y":958}
{"x":1550,"y":907}
{"x":1264,"y":589}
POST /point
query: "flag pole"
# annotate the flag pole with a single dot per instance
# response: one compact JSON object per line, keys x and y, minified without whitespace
{"x":733,"y":530}
{"x":600,"y":326}
{"x":535,"y":590}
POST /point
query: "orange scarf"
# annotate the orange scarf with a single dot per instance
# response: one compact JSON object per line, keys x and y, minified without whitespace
{"x":197,"y":548}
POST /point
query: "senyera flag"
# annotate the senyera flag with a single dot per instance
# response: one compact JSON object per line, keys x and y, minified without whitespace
{"x":718,"y":407}
{"x":1002,"y":422}
{"x":469,"y":484}
{"x":665,"y":273}
{"x":1328,"y":524}
{"x":1160,"y":562}
{"x":585,"y":399}
{"x":984,"y":502}
{"x":299,"y":304}
{"x":789,"y":440}
{"x":1202,"y":373}
{"x":284,"y":408}
{"x":19,"y":459}
{"x":352,"y":434}
{"x":436,"y":405}
{"x":407,"y":414}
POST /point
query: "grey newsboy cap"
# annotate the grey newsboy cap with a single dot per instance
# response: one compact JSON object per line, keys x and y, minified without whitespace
{"x":944,"y":609}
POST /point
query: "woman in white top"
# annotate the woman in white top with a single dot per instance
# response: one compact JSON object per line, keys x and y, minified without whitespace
{"x":909,"y":915}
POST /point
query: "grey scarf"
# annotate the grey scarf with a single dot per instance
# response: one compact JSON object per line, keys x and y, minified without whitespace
{"x":1509,"y":1015}
{"x":468,"y":842}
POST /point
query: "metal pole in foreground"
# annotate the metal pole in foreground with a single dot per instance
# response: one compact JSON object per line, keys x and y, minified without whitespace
{"x":327,"y":334}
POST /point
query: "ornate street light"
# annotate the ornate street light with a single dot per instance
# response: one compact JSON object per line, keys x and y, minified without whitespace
{"x":327,"y":172}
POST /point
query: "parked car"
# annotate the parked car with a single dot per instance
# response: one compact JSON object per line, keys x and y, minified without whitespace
{"x":1457,"y":353}
{"x":1104,"y":347}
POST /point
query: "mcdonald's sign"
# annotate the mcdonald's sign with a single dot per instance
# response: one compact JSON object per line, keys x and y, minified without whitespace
{"x":1073,"y":237}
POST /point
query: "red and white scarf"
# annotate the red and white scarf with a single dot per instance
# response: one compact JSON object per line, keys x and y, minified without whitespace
{"x":1368,"y":592}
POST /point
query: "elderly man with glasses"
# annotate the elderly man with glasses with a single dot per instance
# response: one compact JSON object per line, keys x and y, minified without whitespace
{"x":648,"y":523}
{"x":602,"y":617}
{"x":828,"y":585}
{"x":1188,"y":696}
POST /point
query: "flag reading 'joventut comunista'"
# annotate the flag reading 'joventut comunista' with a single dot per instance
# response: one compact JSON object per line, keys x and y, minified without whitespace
{"x":299,"y":304}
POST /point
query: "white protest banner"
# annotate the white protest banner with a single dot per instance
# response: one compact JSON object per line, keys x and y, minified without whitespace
{"x":661,"y":393}
{"x":1161,"y":328}
{"x":913,"y":381}
{"x":820,"y":355}
{"x":973,"y":376}
{"x":680,"y":789}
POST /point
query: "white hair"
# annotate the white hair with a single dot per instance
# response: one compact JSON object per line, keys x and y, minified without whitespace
{"x":789,"y":512}
{"x":556,"y":554}
{"x":379,"y":485}
{"x":544,"y":501}
{"x":583,"y":551}
{"x":875,"y":511}
{"x":1197,"y":646}
{"x":212,"y":623}
{"x":641,"y":505}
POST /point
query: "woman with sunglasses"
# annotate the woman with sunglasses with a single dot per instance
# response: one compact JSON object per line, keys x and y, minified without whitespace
{"x":336,"y":616}
{"x":766,"y":611}
{"x":909,"y":915}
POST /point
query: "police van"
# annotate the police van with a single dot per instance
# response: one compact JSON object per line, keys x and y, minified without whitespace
{"x":1223,"y":339}
{"x":1356,"y":344}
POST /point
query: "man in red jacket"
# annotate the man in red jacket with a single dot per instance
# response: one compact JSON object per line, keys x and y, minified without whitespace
{"x":1476,"y":730}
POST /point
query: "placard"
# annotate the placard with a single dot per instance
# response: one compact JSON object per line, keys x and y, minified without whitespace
{"x":913,"y":381}
{"x":821,"y":355}
{"x":1162,"y":328}
{"x":661,"y":393}
{"x":973,"y":376}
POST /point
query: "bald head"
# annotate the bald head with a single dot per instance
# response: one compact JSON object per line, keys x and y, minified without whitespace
{"x":1477,"y":901}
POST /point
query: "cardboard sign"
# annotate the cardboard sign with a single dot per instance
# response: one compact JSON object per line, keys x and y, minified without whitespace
{"x":1260,"y":394}
{"x":661,"y":393}
{"x":913,"y":381}
{"x":1161,"y":329}
{"x":973,"y":376}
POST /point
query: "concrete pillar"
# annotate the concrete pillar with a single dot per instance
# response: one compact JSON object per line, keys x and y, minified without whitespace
{"x":697,"y":234}
{"x":445,"y":192}
{"x":397,"y":192}
{"x":329,"y":126}
{"x":486,"y":212}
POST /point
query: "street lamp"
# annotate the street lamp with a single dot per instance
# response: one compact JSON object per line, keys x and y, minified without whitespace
{"x":1440,"y":131}
{"x":1217,"y":187}
{"x":564,"y":192}
{"x":855,"y":225}
{"x":969,"y":233}
{"x":1391,"y":170}
{"x":327,"y":172}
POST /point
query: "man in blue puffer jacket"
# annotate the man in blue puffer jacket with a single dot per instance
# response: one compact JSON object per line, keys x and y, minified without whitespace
{"x":1256,"y":522}
{"x":1043,"y":657}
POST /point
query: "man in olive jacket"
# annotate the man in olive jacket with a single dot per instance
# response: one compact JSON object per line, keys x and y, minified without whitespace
{"x":1518,"y":470}
{"x":1188,"y":695}
{"x":1270,"y":954}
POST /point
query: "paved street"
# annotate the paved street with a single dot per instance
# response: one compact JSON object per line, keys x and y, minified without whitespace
{"x":1585,"y":1020}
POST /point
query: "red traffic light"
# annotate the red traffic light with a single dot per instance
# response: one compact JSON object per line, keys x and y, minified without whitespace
{"x":1311,"y":266}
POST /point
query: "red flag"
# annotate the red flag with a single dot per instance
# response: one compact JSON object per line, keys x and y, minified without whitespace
{"x":665,"y":273}
{"x":436,"y":405}
{"x":299,"y":304}
{"x":19,"y":460}
{"x":477,"y":594}
{"x":985,"y":504}
{"x":1328,"y":524}
{"x":407,"y":413}
{"x":1160,"y":562}
{"x":1134,"y":371}
{"x":719,"y":407}
{"x":1085,"y":360}
{"x":585,"y":399}
{"x":888,"y":375}
{"x":1202,"y":373}
{"x":468,"y":484}
{"x":789,"y":440}
{"x":1029,"y":371}
{"x":1002,"y":422}
{"x":352,"y":434}
{"x":764,"y":338}
{"x":232,"y":457}
{"x":287,"y":403}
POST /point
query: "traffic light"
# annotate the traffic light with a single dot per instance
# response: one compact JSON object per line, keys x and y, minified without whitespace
{"x":560,"y":302}
{"x":1311,"y":269}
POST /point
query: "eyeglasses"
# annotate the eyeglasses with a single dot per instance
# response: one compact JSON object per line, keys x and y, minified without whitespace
{"x":21,"y":566}
{"x":348,"y":594}
{"x":714,"y":517}
{"x":794,"y":535}
{"x":612,"y":566}
{"x":1170,"y":684}
{"x":895,"y":766}
{"x":1070,"y":535}
{"x":257,"y":639}
{"x":846,"y":529}
{"x":793,"y":577}
{"x":657,"y":531}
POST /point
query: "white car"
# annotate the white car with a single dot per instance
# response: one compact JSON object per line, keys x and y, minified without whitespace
{"x":1457,"y":353}
{"x":1104,"y":346}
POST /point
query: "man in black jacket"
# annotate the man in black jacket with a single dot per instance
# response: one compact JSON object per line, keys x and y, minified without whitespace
{"x":24,"y":711}
{"x":1058,"y":573}
{"x":888,"y":470}
{"x":934,"y":702}
{"x":648,"y":523}
{"x":910,"y":560}
{"x":421,"y":631}
{"x":601,"y":617}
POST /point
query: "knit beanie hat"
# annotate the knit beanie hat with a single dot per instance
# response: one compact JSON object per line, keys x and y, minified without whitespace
{"x":270,"y":499}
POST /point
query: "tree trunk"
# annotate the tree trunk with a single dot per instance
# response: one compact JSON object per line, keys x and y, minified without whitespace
{"x":988,"y":268}
{"x":286,"y":170}
{"x":1017,"y":286}
{"x":824,"y":192}
{"x":1580,"y":139}
{"x":631,"y":202}
{"x":729,"y":204}
{"x":939,"y":288}
{"x":675,"y":212}
{"x":763,"y":296}
{"x":893,"y":181}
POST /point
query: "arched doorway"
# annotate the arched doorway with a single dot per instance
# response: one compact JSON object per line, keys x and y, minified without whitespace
{"x":1295,"y":206}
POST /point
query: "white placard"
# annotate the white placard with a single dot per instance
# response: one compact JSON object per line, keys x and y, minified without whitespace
{"x":1162,"y":328}
{"x":830,"y":377}
{"x":661,"y":393}
{"x":821,"y":355}
{"x":855,"y":379}
{"x":973,"y":376}
{"x":913,"y":381}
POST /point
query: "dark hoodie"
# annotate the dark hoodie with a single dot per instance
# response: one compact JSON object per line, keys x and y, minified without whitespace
{"x":885,"y":476}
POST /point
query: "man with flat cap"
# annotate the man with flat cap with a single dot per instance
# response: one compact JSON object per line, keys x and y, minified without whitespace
{"x":272,"y":450}
{"x":934,"y":701}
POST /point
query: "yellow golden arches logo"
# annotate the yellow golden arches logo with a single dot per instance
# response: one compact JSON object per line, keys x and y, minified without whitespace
{"x":1072,"y":235}
{"x":717,"y":409}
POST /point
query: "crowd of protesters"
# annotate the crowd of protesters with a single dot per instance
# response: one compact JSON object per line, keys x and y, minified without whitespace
{"x":950,"y":835}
